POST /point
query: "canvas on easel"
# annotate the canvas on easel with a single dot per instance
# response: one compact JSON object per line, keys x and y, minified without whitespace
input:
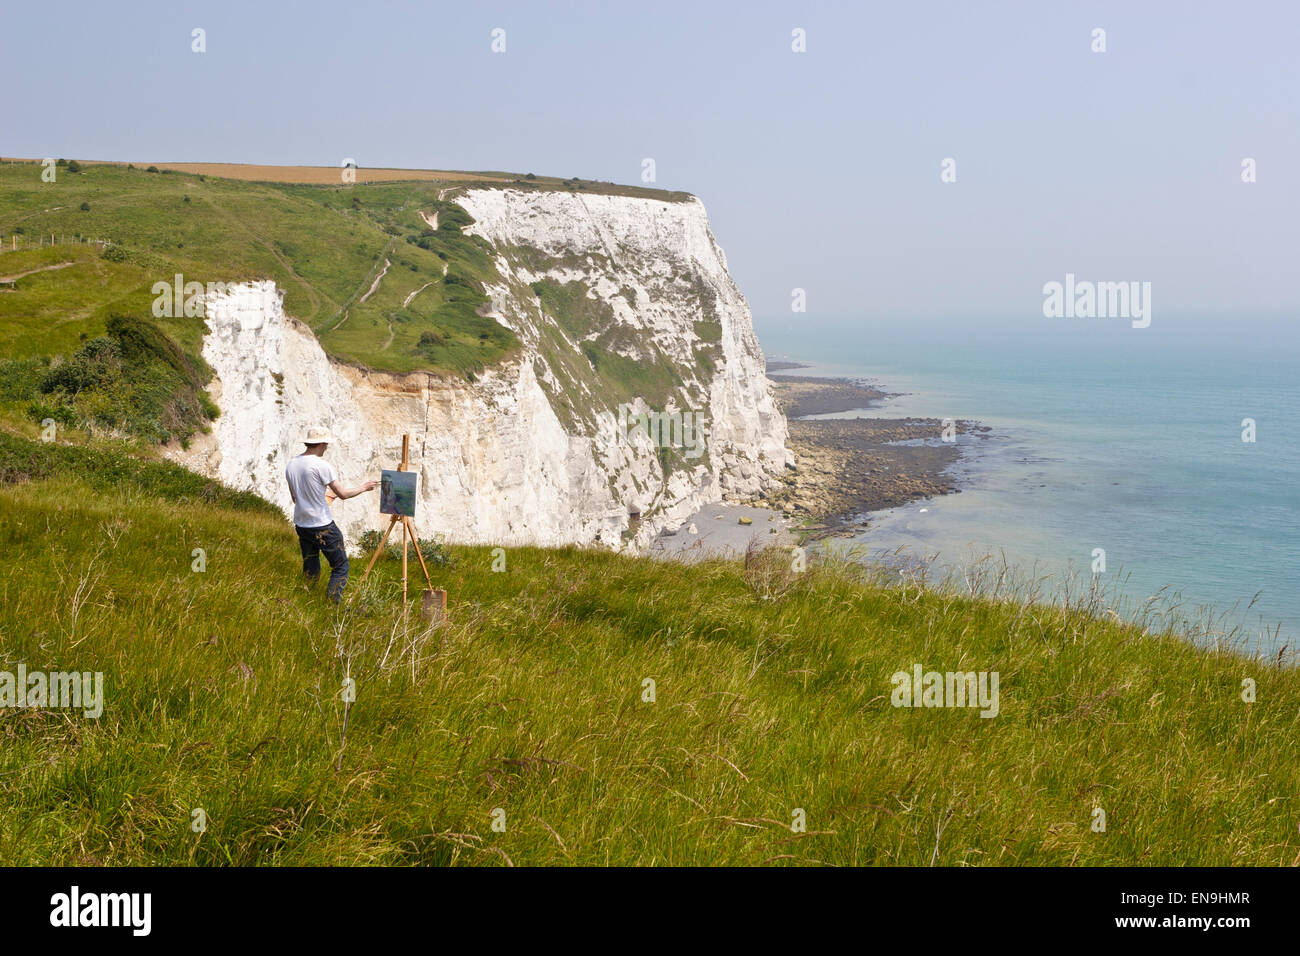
{"x":397,"y":493}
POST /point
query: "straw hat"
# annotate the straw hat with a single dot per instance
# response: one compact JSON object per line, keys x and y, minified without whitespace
{"x":316,"y":436}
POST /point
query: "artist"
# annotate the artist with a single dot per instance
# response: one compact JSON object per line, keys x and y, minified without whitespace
{"x":308,"y":476}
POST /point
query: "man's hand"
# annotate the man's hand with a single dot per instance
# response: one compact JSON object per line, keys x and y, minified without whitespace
{"x":369,"y":486}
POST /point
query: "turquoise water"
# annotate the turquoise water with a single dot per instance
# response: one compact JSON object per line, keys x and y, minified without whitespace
{"x":1104,"y":436}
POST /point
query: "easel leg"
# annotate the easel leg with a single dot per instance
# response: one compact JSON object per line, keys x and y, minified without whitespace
{"x":434,"y":602}
{"x":410,"y":528}
{"x":406,"y":536}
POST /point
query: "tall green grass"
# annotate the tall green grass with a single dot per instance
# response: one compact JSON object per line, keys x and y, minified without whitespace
{"x":772,"y":694}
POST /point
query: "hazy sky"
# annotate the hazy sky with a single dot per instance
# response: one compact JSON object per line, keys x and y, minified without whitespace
{"x":820,"y":170}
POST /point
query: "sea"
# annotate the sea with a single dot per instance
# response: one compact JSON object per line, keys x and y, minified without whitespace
{"x":1174,"y":449}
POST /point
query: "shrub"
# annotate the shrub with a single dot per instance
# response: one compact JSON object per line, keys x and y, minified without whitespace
{"x":85,"y":207}
{"x":21,"y":378}
{"x":210,"y":409}
{"x":96,"y":364}
{"x":151,"y":169}
{"x":74,"y":166}
{"x":39,"y":411}
{"x":453,"y":218}
{"x":134,"y":379}
{"x":435,"y":552}
{"x":143,"y":342}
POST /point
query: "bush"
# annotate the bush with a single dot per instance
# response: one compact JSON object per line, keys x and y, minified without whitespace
{"x":74,"y":166}
{"x":97,"y":364}
{"x":85,"y":207}
{"x":135,"y":379}
{"x":435,"y":552}
{"x":151,"y":169}
{"x":143,"y":342}
{"x":38,"y":411}
{"x":210,"y":409}
{"x":114,"y":253}
{"x":453,"y":218}
{"x":21,"y":378}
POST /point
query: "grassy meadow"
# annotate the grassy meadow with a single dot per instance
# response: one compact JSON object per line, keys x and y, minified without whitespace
{"x":530,"y":707}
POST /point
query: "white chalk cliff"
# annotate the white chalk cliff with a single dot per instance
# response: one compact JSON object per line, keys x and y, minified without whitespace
{"x":529,"y":452}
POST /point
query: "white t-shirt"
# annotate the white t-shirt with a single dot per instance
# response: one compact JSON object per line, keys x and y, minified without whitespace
{"x":308,"y":476}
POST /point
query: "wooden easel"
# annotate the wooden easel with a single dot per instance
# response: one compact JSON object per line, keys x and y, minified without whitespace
{"x":434,"y":605}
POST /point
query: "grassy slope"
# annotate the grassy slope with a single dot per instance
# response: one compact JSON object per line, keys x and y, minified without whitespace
{"x":223,"y":693}
{"x":322,"y":245}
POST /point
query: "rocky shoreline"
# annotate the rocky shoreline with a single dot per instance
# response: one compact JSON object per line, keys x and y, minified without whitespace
{"x":847,"y":467}
{"x":803,"y":395}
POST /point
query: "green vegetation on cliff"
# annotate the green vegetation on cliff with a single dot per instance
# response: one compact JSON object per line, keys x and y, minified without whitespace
{"x":325,"y":246}
{"x":771,"y":695}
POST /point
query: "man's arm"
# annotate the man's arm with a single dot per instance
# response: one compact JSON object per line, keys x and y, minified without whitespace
{"x":342,"y":492}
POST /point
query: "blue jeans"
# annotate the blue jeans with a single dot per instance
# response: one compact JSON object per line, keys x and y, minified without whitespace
{"x":327,"y":538}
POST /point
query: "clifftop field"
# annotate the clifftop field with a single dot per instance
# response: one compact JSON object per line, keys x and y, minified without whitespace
{"x":223,"y":705}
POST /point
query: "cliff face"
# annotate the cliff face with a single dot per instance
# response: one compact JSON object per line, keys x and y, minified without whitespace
{"x":623,"y":307}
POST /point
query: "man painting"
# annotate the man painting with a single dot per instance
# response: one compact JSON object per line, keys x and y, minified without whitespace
{"x":309,"y":475}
